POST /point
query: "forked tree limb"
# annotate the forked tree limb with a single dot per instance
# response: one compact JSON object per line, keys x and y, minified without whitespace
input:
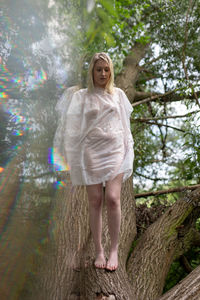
{"x":150,"y":260}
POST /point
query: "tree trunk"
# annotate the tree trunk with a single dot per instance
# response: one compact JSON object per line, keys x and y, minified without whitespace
{"x":69,"y":271}
{"x":127,"y":78}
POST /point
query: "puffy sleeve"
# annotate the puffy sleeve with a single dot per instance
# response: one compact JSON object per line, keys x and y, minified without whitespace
{"x":74,"y":127}
{"x":61,"y":109}
{"x":75,"y":131}
{"x":127,"y":105}
{"x":126,"y":110}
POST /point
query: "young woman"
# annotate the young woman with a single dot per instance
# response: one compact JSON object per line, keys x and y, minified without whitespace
{"x":98,"y":147}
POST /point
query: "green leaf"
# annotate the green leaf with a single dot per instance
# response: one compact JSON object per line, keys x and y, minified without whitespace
{"x":108,"y":5}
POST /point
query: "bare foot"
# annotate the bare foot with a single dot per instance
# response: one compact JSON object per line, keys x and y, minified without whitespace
{"x":100,"y":261}
{"x":112,"y":263}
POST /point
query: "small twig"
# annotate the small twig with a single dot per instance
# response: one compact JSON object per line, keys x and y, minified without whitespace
{"x":160,"y":124}
{"x":149,"y":178}
{"x":166,"y":117}
{"x":152,"y":61}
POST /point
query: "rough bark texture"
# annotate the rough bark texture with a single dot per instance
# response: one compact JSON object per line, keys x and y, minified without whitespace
{"x":69,"y":272}
{"x":69,"y":232}
{"x":187,"y":289}
{"x":161,"y":192}
{"x":150,"y":261}
{"x":99,"y":283}
{"x":127,"y":78}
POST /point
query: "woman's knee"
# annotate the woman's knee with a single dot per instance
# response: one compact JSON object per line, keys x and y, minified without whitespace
{"x":95,"y":201}
{"x":95,"y":197}
{"x":113,"y":200}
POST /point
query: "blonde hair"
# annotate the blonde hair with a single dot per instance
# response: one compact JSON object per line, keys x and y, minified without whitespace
{"x":110,"y":84}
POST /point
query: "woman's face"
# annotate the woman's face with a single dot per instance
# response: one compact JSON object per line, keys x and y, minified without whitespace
{"x":101,"y":73}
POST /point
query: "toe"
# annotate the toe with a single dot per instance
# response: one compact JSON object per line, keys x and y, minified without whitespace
{"x":99,"y":265}
{"x":111,"y":267}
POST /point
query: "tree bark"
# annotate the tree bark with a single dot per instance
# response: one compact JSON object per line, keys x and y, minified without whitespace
{"x":150,"y":261}
{"x":127,"y":78}
{"x":161,"y":192}
{"x":188,"y":288}
{"x":69,"y":271}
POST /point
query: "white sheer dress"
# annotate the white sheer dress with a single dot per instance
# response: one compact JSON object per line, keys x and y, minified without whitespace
{"x":94,"y":135}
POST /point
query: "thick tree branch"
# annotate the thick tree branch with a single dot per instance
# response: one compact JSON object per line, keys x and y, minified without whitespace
{"x":162,"y":192}
{"x":127,"y":78}
{"x":169,"y":96}
{"x":152,"y":98}
{"x":187,"y":234}
{"x":156,"y":251}
{"x":143,"y":95}
{"x":188,"y":288}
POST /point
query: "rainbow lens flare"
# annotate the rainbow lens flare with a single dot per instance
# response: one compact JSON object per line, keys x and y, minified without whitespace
{"x":59,"y":184}
{"x":57,"y":160}
{"x":31,"y":80}
{"x":16,"y":147}
{"x":16,"y":116}
{"x":18,"y":132}
{"x":3,"y":95}
{"x":1,"y":169}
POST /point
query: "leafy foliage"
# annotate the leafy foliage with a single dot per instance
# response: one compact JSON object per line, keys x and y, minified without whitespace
{"x":177,"y":271}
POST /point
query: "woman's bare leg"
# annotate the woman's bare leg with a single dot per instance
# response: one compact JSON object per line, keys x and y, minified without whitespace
{"x":112,"y":196}
{"x":95,"y":197}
